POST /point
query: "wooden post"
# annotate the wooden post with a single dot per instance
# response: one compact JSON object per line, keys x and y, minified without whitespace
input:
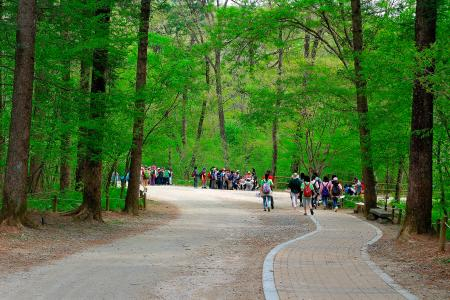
{"x":443,"y":237}
{"x":55,"y":203}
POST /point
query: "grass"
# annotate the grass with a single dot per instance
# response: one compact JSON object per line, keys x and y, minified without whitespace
{"x":71,"y":200}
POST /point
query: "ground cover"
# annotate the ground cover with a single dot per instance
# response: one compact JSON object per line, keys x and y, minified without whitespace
{"x":62,"y":236}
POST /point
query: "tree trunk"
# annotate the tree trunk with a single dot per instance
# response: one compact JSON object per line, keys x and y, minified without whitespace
{"x":15,"y":186}
{"x":132,"y":199}
{"x":85,"y":72}
{"x":91,"y":208}
{"x":219,"y":95}
{"x":277,"y":107}
{"x":420,"y":189}
{"x":370,"y":196}
{"x":399,"y":181}
{"x":2,"y":111}
{"x":202,"y":115}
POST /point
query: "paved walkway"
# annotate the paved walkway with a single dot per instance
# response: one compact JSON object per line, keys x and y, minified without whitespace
{"x":333,"y":263}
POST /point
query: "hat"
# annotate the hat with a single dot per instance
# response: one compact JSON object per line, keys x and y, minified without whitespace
{"x":295,"y":175}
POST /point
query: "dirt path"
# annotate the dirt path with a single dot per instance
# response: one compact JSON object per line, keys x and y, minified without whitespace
{"x":214,"y":250}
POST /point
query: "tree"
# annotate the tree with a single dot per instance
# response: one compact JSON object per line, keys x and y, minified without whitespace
{"x":15,"y":186}
{"x":131,"y":201}
{"x":91,"y":209}
{"x":419,"y":201}
{"x":370,"y":195}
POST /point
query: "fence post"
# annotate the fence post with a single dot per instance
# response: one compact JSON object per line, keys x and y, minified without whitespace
{"x":55,"y":203}
{"x":443,"y":236}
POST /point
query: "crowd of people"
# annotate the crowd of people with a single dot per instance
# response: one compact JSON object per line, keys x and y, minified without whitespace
{"x":306,"y":191}
{"x":310,"y":192}
{"x":225,"y":179}
{"x":149,"y":176}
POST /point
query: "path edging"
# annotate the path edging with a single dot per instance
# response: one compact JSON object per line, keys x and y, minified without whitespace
{"x":270,"y":290}
{"x":374,"y":267}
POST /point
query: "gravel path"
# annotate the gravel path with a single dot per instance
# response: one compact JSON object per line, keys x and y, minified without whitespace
{"x":214,"y":250}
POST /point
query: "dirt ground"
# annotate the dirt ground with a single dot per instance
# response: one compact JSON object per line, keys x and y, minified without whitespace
{"x":417,"y":265}
{"x":62,"y":236}
{"x":212,"y":247}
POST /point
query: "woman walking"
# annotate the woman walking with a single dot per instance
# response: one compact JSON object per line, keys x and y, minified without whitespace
{"x":307,"y":188}
{"x":266,"y":191}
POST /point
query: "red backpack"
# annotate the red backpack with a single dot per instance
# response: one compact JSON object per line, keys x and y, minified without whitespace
{"x":307,"y":192}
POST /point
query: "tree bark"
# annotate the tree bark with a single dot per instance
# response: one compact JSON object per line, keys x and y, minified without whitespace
{"x":91,"y":208}
{"x":277,"y":107}
{"x":85,"y":73}
{"x":15,"y":186}
{"x":202,"y":115}
{"x":132,"y":199}
{"x":370,"y":196}
{"x":420,"y":189}
{"x":223,"y":136}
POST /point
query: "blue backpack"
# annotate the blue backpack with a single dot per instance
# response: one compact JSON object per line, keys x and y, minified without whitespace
{"x":325,"y":191}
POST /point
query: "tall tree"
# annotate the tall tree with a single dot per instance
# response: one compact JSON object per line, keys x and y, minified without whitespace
{"x":279,"y":96}
{"x":132,"y":199}
{"x":91,"y":209}
{"x":15,"y":186}
{"x":419,"y":201}
{"x":370,"y":195}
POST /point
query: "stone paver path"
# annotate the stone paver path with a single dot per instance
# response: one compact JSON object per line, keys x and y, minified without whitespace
{"x":333,"y":263}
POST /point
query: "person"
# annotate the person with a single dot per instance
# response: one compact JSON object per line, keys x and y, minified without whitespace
{"x":255,"y":179}
{"x":170,"y":176}
{"x":307,"y":188}
{"x":294,"y":185}
{"x":195,"y":175}
{"x":357,"y":186}
{"x":273,"y":180}
{"x":115,"y":178}
{"x":203,"y":177}
{"x":316,"y":181}
{"x":325,"y":191}
{"x":248,"y":186}
{"x":236,"y":179}
{"x":266,"y":191}
{"x":302,"y":179}
{"x":214,"y":176}
{"x":153,"y":176}
{"x":336,"y":191}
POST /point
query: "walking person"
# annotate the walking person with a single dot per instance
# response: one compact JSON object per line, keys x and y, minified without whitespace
{"x":307,"y":188}
{"x":336,"y":191}
{"x":195,"y":175}
{"x":203,"y":177}
{"x":295,"y":186}
{"x":325,"y":192}
{"x":266,"y":191}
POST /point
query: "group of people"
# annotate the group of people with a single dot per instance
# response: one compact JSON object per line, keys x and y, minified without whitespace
{"x":309,"y":192}
{"x":156,"y":176}
{"x":225,"y":179}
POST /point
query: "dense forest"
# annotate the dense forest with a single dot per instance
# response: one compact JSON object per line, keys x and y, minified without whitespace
{"x":356,"y":88}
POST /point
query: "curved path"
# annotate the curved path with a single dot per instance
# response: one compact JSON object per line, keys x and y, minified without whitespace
{"x":332,"y":263}
{"x":214,"y":250}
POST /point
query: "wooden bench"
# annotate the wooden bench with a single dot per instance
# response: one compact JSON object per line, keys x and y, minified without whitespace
{"x":389,"y":214}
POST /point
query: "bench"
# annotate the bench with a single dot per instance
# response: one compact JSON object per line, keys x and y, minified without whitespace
{"x":388,"y":214}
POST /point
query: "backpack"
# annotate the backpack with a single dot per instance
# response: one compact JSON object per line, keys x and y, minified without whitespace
{"x":336,"y":190}
{"x":266,"y":187}
{"x":307,"y":192}
{"x":325,"y":191}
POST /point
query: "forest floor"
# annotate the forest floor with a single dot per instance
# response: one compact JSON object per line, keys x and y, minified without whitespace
{"x":62,"y":236}
{"x":213,"y":249}
{"x":416,"y":265}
